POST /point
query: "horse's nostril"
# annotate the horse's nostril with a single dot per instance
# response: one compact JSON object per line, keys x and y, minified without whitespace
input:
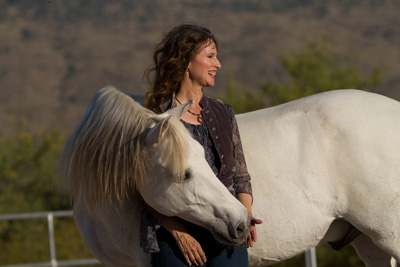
{"x":240,"y":230}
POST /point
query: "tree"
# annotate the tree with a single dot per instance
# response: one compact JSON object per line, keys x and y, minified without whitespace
{"x":242,"y":98}
{"x":27,"y":171}
{"x":318,"y":68}
{"x":27,"y":184}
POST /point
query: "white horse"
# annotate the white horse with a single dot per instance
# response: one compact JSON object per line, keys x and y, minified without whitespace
{"x":320,"y":166}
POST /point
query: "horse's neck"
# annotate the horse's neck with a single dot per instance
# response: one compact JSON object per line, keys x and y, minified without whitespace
{"x":102,"y":228}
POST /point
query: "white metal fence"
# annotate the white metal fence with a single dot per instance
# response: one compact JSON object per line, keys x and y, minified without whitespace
{"x":52,"y":248}
{"x":310,"y":255}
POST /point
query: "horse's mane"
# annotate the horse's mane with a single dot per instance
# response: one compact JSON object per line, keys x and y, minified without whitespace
{"x":105,"y":156}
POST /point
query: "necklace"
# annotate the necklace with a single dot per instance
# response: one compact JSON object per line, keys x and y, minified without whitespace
{"x":199,"y":117}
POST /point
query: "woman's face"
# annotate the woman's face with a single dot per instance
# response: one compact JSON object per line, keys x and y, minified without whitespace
{"x":204,"y":66}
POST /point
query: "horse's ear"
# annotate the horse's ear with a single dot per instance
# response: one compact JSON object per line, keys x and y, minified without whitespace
{"x":153,"y":135}
{"x":179,"y":111}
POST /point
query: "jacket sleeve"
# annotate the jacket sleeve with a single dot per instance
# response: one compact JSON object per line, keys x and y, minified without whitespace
{"x":241,"y":178}
{"x":150,"y":221}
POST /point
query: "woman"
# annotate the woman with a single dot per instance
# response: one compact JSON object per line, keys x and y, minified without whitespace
{"x":185,"y":62}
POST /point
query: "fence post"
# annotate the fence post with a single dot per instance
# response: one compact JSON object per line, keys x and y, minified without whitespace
{"x":311,"y":258}
{"x":52,"y":244}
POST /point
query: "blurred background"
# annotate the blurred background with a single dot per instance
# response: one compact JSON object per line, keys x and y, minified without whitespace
{"x":56,"y":54}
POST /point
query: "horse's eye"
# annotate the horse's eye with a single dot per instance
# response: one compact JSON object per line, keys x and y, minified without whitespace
{"x":188,"y":174}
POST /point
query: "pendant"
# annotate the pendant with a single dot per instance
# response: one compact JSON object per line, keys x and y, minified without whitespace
{"x":200,"y":119}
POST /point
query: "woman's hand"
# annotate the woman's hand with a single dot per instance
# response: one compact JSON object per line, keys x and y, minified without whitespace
{"x":190,"y":248}
{"x":252,"y":237}
{"x":247,"y":201}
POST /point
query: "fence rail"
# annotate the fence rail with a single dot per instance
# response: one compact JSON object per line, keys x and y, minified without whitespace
{"x":310,"y":255}
{"x":50,"y":215}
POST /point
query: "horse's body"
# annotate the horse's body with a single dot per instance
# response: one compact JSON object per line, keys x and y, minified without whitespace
{"x":318,"y":164}
{"x":330,"y":156}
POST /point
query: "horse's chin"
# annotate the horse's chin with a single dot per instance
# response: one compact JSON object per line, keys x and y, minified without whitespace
{"x":231,"y":241}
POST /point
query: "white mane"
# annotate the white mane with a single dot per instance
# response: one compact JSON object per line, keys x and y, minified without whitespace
{"x":105,"y":155}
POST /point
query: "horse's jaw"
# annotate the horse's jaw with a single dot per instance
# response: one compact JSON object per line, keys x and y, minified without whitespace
{"x":238,"y":237}
{"x":231,"y":226}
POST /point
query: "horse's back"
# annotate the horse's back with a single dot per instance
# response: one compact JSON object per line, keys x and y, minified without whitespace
{"x":350,"y":120}
{"x":347,"y":136}
{"x":341,"y":105}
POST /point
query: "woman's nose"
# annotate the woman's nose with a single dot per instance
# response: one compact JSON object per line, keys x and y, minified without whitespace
{"x":217,"y":63}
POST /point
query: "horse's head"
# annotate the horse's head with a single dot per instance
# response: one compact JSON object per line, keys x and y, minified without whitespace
{"x":120,"y":147}
{"x":181,"y":183}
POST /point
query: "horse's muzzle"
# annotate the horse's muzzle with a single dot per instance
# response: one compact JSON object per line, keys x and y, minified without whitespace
{"x":235,"y":235}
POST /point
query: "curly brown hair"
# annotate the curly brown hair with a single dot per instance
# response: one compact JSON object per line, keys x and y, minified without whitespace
{"x":171,"y":58}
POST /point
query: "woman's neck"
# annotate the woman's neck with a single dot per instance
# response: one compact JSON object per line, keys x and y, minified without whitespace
{"x":187,"y":93}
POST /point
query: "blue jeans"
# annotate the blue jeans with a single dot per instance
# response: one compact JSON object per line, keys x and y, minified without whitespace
{"x":217,"y":254}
